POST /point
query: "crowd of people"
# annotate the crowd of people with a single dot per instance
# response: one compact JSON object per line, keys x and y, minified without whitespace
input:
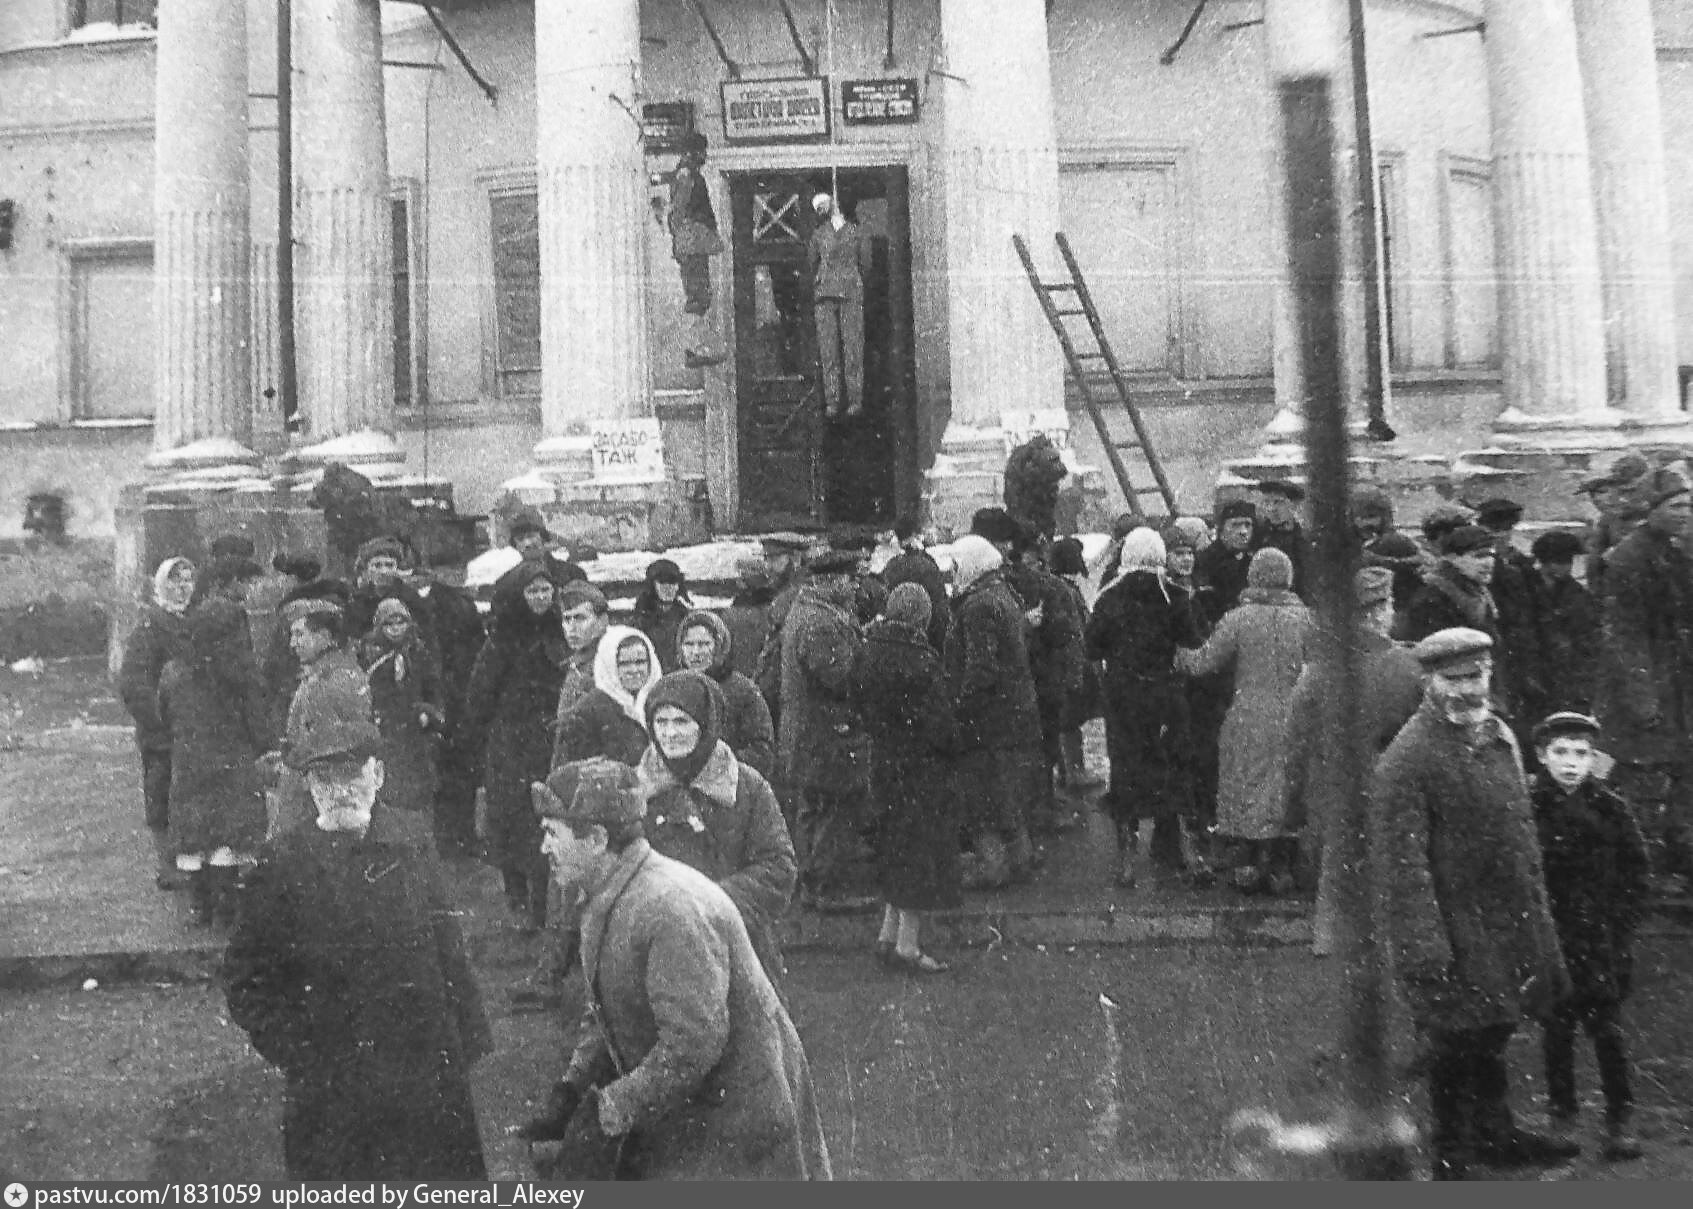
{"x":657,"y":795}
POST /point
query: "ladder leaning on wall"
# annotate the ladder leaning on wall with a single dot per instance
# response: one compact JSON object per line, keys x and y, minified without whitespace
{"x":1100,"y":352}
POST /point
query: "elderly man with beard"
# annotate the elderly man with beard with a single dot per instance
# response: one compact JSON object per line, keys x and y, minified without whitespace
{"x":1464,"y":914}
{"x":687,"y":1065}
{"x":349,"y":974}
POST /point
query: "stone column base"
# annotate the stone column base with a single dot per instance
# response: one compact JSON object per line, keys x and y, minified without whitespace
{"x":968,"y":473}
{"x":374,"y":454}
{"x":1414,"y":483}
{"x":608,"y":516}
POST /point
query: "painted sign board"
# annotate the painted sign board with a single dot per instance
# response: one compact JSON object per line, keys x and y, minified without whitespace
{"x":628,"y":451}
{"x":1018,"y":426}
{"x":878,"y":102}
{"x":776,"y":111}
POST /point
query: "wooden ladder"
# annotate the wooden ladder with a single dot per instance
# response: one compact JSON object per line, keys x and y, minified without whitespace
{"x":1100,"y":352}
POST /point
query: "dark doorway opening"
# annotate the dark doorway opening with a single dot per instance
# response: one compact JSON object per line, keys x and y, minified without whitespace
{"x":797,"y":466}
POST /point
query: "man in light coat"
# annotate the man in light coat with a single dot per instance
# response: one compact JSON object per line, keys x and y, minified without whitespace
{"x":688,"y":1066}
{"x":1463,"y":911}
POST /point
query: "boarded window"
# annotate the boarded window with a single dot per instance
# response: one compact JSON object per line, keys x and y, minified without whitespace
{"x":1472,"y":284}
{"x":117,"y":12}
{"x":517,"y":293}
{"x":113,"y":338}
{"x":1120,"y":219}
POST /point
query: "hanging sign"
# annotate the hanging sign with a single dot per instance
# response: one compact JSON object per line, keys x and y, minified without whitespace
{"x":776,"y":111}
{"x":628,"y":451}
{"x":1018,"y":426}
{"x":664,"y":124}
{"x":878,"y":102}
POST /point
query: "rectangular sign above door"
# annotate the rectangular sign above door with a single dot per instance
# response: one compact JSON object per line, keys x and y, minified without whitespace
{"x":878,"y":102}
{"x":776,"y":111}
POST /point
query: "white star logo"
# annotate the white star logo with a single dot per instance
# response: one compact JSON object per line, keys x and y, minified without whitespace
{"x":17,"y":1196}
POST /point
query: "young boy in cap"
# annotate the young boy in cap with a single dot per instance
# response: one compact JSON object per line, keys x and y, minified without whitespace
{"x":1596,"y":875}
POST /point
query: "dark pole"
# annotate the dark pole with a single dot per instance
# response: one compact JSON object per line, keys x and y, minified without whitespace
{"x":289,"y":383}
{"x":1369,"y":205}
{"x":1368,"y":1144}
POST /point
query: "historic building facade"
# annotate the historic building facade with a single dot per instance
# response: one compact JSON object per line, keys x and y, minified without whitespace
{"x":484,"y":275}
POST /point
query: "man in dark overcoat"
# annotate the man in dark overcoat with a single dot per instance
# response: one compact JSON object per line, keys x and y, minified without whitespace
{"x":1568,"y":630}
{"x":1221,"y":566}
{"x":349,"y":974}
{"x":1279,"y":525}
{"x":784,"y":559}
{"x":1455,"y":593}
{"x":1512,"y":587}
{"x":1462,"y":906}
{"x":687,"y":1065}
{"x":914,"y":564}
{"x":451,"y":616}
{"x":822,"y":753}
{"x":1646,"y":697}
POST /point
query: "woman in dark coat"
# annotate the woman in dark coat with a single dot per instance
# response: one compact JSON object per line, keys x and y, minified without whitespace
{"x":705,"y":645}
{"x":1138,"y":624}
{"x":714,"y":812}
{"x":160,"y":636}
{"x":607,"y":720}
{"x":901,"y":689}
{"x":212,"y":704}
{"x":508,"y":715}
{"x":348,"y":973}
{"x":405,"y":699}
{"x":660,"y":607}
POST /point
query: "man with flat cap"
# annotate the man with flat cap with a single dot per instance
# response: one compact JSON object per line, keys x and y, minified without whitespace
{"x":1462,"y":906}
{"x":686,"y":1066}
{"x":1455,"y":592}
{"x":1279,"y":526}
{"x":1646,"y":692}
{"x":1392,"y":691}
{"x":348,"y":972}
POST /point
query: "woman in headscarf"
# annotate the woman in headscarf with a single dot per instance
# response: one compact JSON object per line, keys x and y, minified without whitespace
{"x":509,"y":714}
{"x":660,"y":607}
{"x":714,"y":812}
{"x":1139,"y":623}
{"x":705,"y":645}
{"x":160,"y":636}
{"x":607,"y":719}
{"x":1263,"y":640}
{"x":211,"y":703}
{"x":901,"y":690}
{"x":405,"y":701}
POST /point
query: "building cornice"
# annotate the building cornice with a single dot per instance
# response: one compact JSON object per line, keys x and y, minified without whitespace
{"x":44,"y":130}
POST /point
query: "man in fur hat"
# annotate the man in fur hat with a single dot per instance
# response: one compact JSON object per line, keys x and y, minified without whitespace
{"x":687,"y":1065}
{"x":1221,"y":566}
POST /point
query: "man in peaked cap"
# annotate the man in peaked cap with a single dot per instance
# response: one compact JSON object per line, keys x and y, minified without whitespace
{"x":1647,"y":704}
{"x":378,"y":1072}
{"x":687,"y":1066}
{"x":1512,"y":586}
{"x":1279,"y":525}
{"x":1455,"y":594}
{"x":1463,"y":910}
{"x":1616,"y":496}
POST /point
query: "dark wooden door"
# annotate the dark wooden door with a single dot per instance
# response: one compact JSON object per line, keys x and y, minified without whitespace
{"x":796,"y":467}
{"x":780,"y":412}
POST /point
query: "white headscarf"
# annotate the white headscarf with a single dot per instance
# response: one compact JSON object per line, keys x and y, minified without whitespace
{"x":605,"y":671}
{"x":972,"y":558}
{"x":1143,"y":550}
{"x":161,"y":584}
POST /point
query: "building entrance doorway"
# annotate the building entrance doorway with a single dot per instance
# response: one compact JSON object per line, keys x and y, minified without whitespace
{"x":799,"y":466}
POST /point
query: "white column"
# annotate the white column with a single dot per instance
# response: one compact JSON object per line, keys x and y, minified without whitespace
{"x":200,"y":243}
{"x":1000,"y":165}
{"x":1551,"y":323}
{"x":1625,"y":130}
{"x":344,"y":302}
{"x":593,"y":202}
